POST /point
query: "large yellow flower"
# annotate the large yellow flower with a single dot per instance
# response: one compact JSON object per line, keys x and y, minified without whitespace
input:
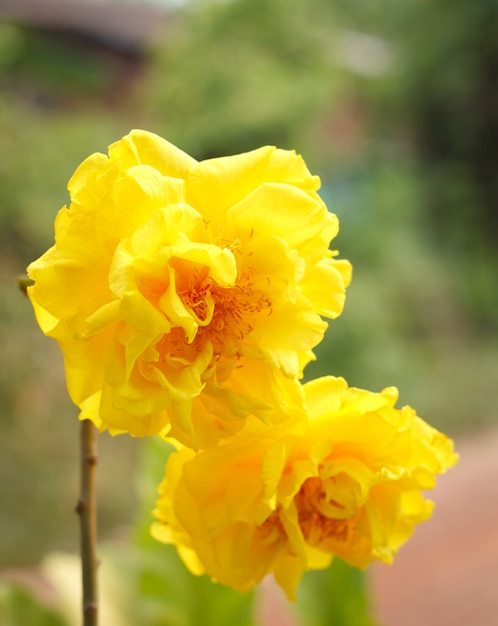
{"x":171,"y":277}
{"x":285,"y":499}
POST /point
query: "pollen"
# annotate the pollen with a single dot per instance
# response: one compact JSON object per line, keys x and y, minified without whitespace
{"x":226,"y":315}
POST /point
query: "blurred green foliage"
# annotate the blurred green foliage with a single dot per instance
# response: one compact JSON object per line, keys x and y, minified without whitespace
{"x":240,"y":74}
{"x":344,"y":589}
{"x":394,"y":105}
{"x":447,"y":91}
{"x":19,"y":606}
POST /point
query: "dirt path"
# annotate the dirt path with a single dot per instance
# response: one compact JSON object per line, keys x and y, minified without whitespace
{"x":447,"y":574}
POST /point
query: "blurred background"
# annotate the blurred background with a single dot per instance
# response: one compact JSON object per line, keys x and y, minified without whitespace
{"x":393,"y":103}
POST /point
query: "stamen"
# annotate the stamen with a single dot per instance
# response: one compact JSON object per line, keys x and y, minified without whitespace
{"x":316,"y":527}
{"x":234,"y":309}
{"x":225,"y":316}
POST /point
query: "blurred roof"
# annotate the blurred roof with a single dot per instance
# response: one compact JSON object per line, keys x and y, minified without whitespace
{"x":120,"y":25}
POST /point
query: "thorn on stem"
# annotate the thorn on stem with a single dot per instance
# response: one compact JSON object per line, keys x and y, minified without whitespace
{"x":23,"y":283}
{"x":90,"y":610}
{"x":92,"y":459}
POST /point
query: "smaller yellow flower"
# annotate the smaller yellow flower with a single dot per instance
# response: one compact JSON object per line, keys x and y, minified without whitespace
{"x":284,"y":499}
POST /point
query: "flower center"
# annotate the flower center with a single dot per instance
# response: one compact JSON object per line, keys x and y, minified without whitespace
{"x":226,"y":315}
{"x":318,"y":528}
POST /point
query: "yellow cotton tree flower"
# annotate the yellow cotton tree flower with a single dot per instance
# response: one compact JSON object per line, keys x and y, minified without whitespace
{"x":174,"y":282}
{"x":284,"y":499}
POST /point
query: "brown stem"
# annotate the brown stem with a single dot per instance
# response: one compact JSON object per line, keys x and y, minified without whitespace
{"x":87,"y":511}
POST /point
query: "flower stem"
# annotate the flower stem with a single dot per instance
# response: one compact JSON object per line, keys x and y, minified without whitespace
{"x":87,"y":511}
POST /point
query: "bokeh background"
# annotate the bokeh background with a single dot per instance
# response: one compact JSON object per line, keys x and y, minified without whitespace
{"x":393,"y":103}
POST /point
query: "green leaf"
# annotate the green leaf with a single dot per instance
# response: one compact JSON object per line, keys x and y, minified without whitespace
{"x":334,"y":597}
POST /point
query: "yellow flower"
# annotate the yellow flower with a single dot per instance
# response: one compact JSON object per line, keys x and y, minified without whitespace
{"x":284,"y":499}
{"x":171,"y":277}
